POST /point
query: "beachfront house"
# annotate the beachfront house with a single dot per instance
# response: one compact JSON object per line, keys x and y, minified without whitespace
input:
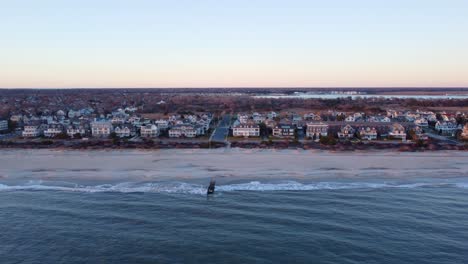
{"x":246,"y":130}
{"x":284,"y":130}
{"x":32,"y":130}
{"x":101,"y":128}
{"x":74,"y":130}
{"x":368,"y":133}
{"x":346,"y":132}
{"x":53,"y":130}
{"x":316,"y":129}
{"x":397,"y":131}
{"x":124,"y":130}
{"x":149,"y":131}
{"x":183,"y":130}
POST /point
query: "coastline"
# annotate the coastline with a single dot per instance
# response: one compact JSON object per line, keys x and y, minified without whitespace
{"x":339,"y":147}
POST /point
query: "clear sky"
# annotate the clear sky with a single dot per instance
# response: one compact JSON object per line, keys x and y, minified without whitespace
{"x":235,"y":43}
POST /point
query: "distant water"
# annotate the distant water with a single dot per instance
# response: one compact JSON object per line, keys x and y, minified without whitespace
{"x":364,"y":209}
{"x":354,"y":96}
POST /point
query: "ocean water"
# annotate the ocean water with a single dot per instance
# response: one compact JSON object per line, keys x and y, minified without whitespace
{"x":110,"y":207}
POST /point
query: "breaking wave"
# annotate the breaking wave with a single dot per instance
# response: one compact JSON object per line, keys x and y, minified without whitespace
{"x":189,"y":188}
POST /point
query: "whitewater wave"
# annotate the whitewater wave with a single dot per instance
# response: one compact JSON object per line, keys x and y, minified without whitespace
{"x":189,"y":188}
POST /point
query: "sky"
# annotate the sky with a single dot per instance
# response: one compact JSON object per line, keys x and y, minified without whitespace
{"x":236,"y":43}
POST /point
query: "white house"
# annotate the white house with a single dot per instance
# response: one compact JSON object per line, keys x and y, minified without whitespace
{"x":124,"y":130}
{"x":346,"y":132}
{"x":246,"y":130}
{"x":397,"y":131}
{"x":53,"y":130}
{"x":350,"y":118}
{"x":368,"y":133}
{"x":447,"y":128}
{"x":283,"y":130}
{"x":316,"y":129}
{"x":3,"y":125}
{"x":31,"y":131}
{"x":183,"y":130}
{"x":149,"y":131}
{"x":101,"y":128}
{"x":73,"y":130}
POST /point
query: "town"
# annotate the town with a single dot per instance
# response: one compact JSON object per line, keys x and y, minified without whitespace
{"x":325,"y":127}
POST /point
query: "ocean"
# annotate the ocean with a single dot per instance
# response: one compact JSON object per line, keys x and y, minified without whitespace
{"x":288,"y":206}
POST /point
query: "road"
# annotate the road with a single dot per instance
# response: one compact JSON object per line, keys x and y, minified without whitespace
{"x":222,"y":130}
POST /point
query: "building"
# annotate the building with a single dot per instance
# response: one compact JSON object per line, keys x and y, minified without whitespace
{"x":421,"y":122}
{"x":101,"y":128}
{"x":283,"y":130}
{"x":183,"y":130}
{"x":32,"y":130}
{"x":447,"y":128}
{"x":397,"y":131}
{"x":464,"y":134}
{"x":73,"y":130}
{"x":346,"y":132}
{"x":3,"y":125}
{"x":162,"y":124}
{"x":368,"y":133}
{"x":53,"y":130}
{"x":246,"y":130}
{"x":419,"y":134}
{"x":316,"y":129}
{"x":124,"y":130}
{"x":149,"y":131}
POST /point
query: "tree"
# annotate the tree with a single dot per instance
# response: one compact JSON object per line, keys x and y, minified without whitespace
{"x":113,"y":135}
{"x":263,"y":129}
{"x":328,"y":140}
{"x":62,"y":135}
{"x":12,"y":125}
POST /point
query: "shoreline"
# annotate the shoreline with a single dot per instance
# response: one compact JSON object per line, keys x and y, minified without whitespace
{"x":339,"y":147}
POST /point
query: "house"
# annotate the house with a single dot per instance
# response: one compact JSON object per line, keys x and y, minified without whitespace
{"x":419,"y":134}
{"x":421,"y":122}
{"x":182,"y":130}
{"x":385,"y":119}
{"x":346,"y":132}
{"x":447,"y":128}
{"x":101,"y":128}
{"x":16,"y":118}
{"x":243,"y":118}
{"x":124,"y":130}
{"x":350,"y":118}
{"x":246,"y":130}
{"x":149,"y":131}
{"x":283,"y":130}
{"x":3,"y":125}
{"x":53,"y":130}
{"x":272,"y":115}
{"x":316,"y":129}
{"x":258,"y":118}
{"x":397,"y":131}
{"x":73,"y":130}
{"x":32,"y":130}
{"x":162,"y":124}
{"x":368,"y":133}
{"x":464,"y":134}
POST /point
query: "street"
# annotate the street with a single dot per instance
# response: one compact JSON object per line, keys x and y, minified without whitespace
{"x":221,"y":132}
